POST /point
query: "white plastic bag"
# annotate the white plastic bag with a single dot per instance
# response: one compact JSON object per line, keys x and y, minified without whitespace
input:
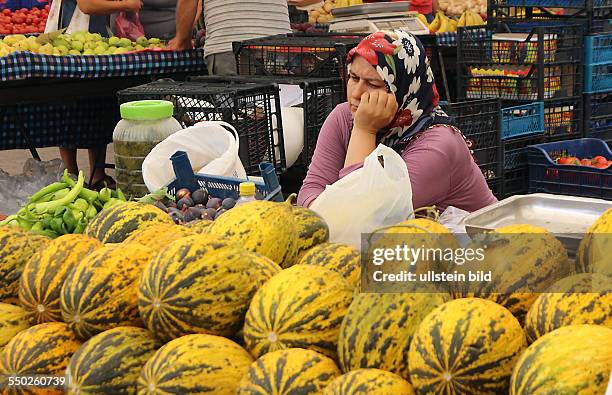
{"x":367,"y":199}
{"x":212,"y":149}
{"x":78,"y":23}
{"x":293,"y":133}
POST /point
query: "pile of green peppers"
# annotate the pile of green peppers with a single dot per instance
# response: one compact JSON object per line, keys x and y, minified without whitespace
{"x":64,"y":207}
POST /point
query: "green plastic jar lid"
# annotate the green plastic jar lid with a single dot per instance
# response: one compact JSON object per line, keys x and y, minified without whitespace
{"x":146,"y":110}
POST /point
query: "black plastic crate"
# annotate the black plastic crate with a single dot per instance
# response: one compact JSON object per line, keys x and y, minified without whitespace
{"x":320,"y":97}
{"x":515,"y":151}
{"x":563,"y":119}
{"x":251,"y":109}
{"x":516,"y":182}
{"x":479,"y":120}
{"x":598,"y":116}
{"x":497,"y":187}
{"x":595,"y":16}
{"x":296,"y":54}
{"x":521,"y":65}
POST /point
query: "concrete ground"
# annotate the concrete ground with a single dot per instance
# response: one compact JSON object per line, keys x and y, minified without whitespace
{"x":12,"y":161}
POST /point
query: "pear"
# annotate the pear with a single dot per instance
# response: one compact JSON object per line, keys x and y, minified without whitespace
{"x":113,"y":41}
{"x":154,"y":41}
{"x":125,"y":42}
{"x":78,"y":46}
{"x":142,"y":41}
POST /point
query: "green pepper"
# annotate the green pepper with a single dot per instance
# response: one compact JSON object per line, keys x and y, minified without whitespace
{"x":42,"y":208}
{"x":46,"y":221}
{"x":56,"y":225}
{"x":69,"y":221}
{"x":37,"y":227}
{"x":80,"y":228}
{"x":88,"y":195}
{"x":59,"y":211}
{"x":66,"y":229}
{"x":98,"y":204}
{"x":80,"y":205}
{"x":78,"y":215}
{"x":59,"y":194}
{"x":24,"y":224}
{"x":120,"y":195}
{"x":91,"y":212}
{"x":49,"y":189}
{"x":105,"y":194}
{"x":67,"y":179}
{"x":28,"y":215}
{"x":8,"y":219}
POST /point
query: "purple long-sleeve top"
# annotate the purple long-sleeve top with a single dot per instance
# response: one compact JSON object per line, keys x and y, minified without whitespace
{"x":442,"y":171}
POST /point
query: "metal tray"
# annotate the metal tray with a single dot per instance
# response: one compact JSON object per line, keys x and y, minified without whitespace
{"x":568,"y":217}
{"x":374,"y":8}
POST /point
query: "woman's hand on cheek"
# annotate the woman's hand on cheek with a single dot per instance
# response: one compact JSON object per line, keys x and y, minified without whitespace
{"x":376,"y":110}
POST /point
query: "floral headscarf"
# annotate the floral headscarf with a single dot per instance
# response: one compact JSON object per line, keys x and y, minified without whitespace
{"x":400,"y":60}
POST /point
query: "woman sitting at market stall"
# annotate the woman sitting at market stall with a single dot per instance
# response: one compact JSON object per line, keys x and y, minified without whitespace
{"x":385,"y":69}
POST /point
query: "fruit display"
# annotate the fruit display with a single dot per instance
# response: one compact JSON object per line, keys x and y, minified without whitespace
{"x":580,"y":299}
{"x":77,"y":43}
{"x":235,"y":306}
{"x":23,"y":21}
{"x":44,"y":274}
{"x":100,"y":292}
{"x":63,"y":207}
{"x":442,"y":23}
{"x":195,"y":364}
{"x":598,"y":162}
{"x":570,"y":360}
{"x":376,"y":322}
{"x":458,"y":7}
{"x":110,"y":362}
{"x":296,"y":371}
{"x":179,"y":294}
{"x":369,"y":381}
{"x":470,"y":343}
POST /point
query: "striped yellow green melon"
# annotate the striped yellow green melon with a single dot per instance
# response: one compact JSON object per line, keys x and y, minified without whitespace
{"x":312,"y":229}
{"x":290,"y":371}
{"x":574,"y":359}
{"x":378,"y":328}
{"x":341,"y":258}
{"x":302,"y":307}
{"x":43,"y":349}
{"x":465,"y":346}
{"x":111,"y":361}
{"x":198,"y":226}
{"x":100,"y":293}
{"x":13,"y":319}
{"x":261,"y":226}
{"x":16,"y":248}
{"x":198,"y":285}
{"x":524,"y":261}
{"x":43,"y":276}
{"x":159,"y":235}
{"x":195,"y":364}
{"x":118,"y":222}
{"x":369,"y":381}
{"x":580,"y":299}
{"x":596,"y":247}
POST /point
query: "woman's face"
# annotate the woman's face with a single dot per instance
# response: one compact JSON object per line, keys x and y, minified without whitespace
{"x":362,"y":78}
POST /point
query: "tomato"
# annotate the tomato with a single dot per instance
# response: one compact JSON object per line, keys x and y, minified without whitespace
{"x":6,"y":12}
{"x":568,"y":160}
{"x":585,"y":162}
{"x":600,"y":159}
{"x":601,"y":165}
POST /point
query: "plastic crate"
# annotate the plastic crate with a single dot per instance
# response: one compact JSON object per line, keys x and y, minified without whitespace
{"x":520,"y":65}
{"x":598,"y":116}
{"x":296,"y":54}
{"x":598,"y":78}
{"x":524,"y":120}
{"x":222,"y":187}
{"x":479,"y":120}
{"x":548,"y":177}
{"x":563,"y":119}
{"x":516,"y":182}
{"x":254,"y":110}
{"x":515,"y":151}
{"x":598,"y":49}
{"x":320,"y":97}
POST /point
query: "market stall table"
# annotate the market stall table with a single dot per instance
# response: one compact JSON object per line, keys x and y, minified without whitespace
{"x":70,"y":101}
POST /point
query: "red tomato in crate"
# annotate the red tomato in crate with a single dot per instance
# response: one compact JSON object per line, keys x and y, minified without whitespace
{"x":601,"y":165}
{"x":585,"y":162}
{"x":600,"y":159}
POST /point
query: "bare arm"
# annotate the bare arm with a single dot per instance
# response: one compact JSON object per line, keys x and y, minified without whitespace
{"x":434,"y":6}
{"x":186,"y":11}
{"x":106,"y":7}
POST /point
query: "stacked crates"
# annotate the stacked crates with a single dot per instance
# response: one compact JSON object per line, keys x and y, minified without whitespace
{"x":598,"y":87}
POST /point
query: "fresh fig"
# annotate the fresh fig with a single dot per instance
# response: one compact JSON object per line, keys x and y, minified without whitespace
{"x":185,"y":202}
{"x":196,"y":212}
{"x":200,"y":196}
{"x":214,"y":203}
{"x":228,"y":203}
{"x":182,"y":193}
{"x":171,"y":204}
{"x":177,"y":217}
{"x":209,"y":213}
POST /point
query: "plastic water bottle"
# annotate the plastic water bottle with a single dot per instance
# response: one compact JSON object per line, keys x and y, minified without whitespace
{"x":247,"y":193}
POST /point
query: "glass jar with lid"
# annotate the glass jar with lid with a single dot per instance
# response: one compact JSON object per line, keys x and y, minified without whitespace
{"x":144,"y":124}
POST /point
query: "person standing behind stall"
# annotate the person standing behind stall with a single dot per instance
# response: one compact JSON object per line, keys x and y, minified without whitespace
{"x":228,"y":21}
